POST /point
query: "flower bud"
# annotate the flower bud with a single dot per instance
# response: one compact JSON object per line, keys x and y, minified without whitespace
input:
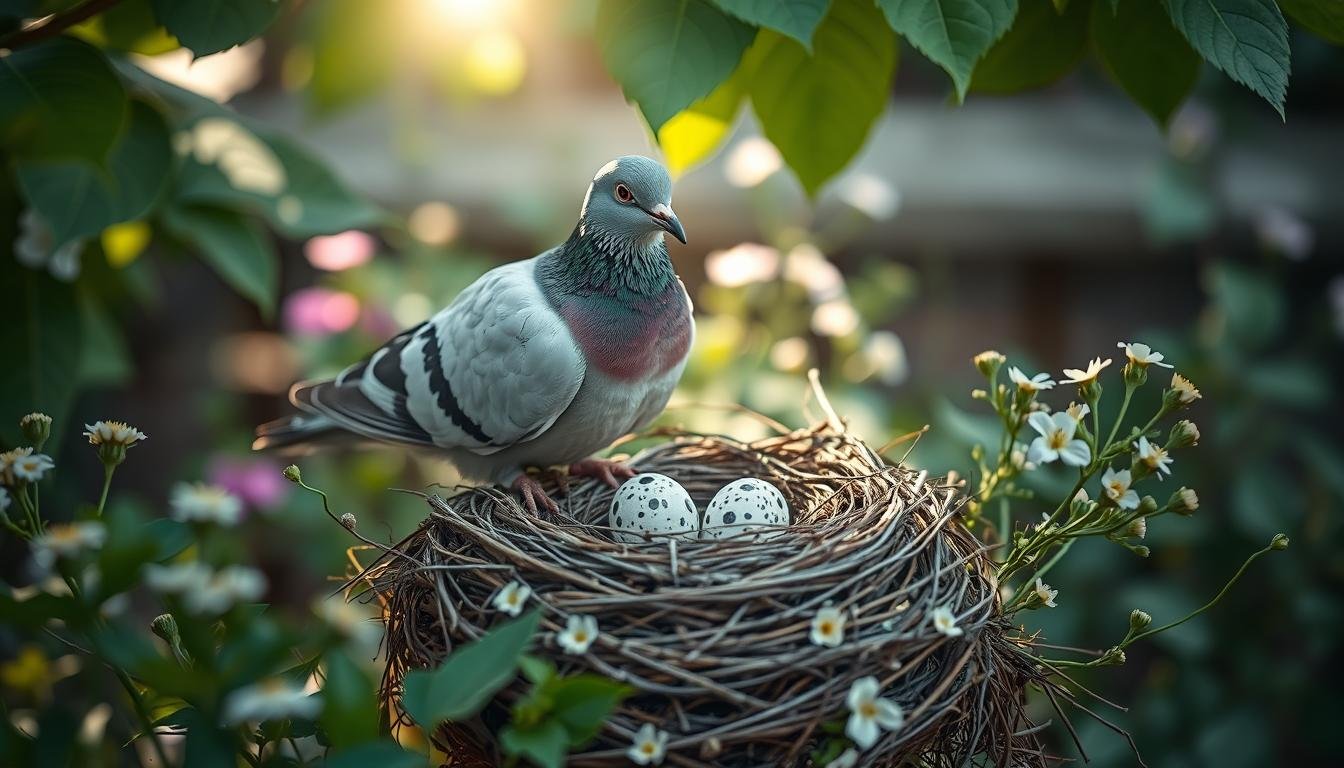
{"x":164,"y":626}
{"x":36,"y":428}
{"x":348,"y":521}
{"x":1140,"y":550}
{"x":1184,"y":433}
{"x":292,"y":474}
{"x":1182,"y":393}
{"x":979,"y":394}
{"x":1112,"y":658}
{"x":989,"y":362}
{"x":1139,"y":620}
{"x":1135,"y":375}
{"x":1184,"y":501}
{"x":1279,"y":542}
{"x":1090,"y":391}
{"x":1137,"y":528}
{"x":1147,"y":505}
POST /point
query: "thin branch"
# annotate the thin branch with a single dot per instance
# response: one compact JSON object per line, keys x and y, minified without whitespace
{"x":55,"y":24}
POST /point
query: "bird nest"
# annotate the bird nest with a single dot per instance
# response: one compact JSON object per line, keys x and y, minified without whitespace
{"x":714,"y":636}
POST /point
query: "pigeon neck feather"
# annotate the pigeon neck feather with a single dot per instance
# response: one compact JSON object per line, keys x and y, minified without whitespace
{"x":594,"y":261}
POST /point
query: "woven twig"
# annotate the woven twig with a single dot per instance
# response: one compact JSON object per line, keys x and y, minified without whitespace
{"x":714,"y":635}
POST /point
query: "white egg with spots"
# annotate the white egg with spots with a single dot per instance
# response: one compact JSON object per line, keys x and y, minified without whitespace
{"x":744,"y":505}
{"x":654,"y":504}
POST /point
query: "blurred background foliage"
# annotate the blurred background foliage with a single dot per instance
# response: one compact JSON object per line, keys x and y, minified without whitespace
{"x":203,"y":204}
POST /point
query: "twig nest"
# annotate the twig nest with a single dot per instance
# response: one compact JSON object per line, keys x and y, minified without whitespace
{"x":719,"y":637}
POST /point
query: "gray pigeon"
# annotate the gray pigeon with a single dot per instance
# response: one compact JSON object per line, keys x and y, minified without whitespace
{"x":538,"y":363}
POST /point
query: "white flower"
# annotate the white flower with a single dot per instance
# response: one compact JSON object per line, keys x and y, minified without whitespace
{"x":112,"y":433}
{"x":271,"y":699}
{"x":946,"y":622}
{"x":66,"y":540}
{"x":1142,"y":355}
{"x":578,"y":634}
{"x":868,"y":713}
{"x":1037,"y":383}
{"x":1138,"y":527}
{"x":201,"y":503}
{"x":21,"y":464}
{"x":1094,"y":367}
{"x":177,"y":578}
{"x":847,"y":759}
{"x":1078,"y":411}
{"x":1116,"y":487}
{"x":828,"y":627}
{"x":1189,"y":500}
{"x":4,"y":498}
{"x":1045,"y":593}
{"x":1154,"y":456}
{"x":1185,"y":391}
{"x":648,"y":746}
{"x":1056,"y":440}
{"x":511,"y":598}
{"x":226,"y":588}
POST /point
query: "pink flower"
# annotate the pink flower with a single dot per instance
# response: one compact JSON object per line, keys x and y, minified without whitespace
{"x":320,"y":312}
{"x":341,"y":251}
{"x":257,"y":482}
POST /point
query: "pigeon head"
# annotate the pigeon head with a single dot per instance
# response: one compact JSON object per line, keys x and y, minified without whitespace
{"x":630,"y":199}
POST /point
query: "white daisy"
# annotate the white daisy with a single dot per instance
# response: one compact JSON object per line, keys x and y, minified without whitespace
{"x":578,"y":634}
{"x":511,"y":598}
{"x":1094,"y":368}
{"x":1116,"y":487}
{"x":1056,"y":440}
{"x":1185,"y":391}
{"x":22,"y":465}
{"x":112,"y":433}
{"x":226,"y":588}
{"x":65,"y":541}
{"x":201,"y":503}
{"x":828,"y":627}
{"x":868,"y":713}
{"x":649,"y":746}
{"x":1155,"y":457}
{"x":271,"y":699}
{"x":1142,"y":355}
{"x":1045,"y":593}
{"x":1037,"y":383}
{"x":946,"y":622}
{"x":1138,"y":528}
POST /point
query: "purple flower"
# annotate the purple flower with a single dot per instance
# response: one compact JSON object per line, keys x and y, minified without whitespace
{"x":257,"y":482}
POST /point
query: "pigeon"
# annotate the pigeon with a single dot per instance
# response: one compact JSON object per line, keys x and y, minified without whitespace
{"x":539,"y":363}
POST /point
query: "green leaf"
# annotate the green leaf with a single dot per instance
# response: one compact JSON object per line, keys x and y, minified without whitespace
{"x":1321,"y":17}
{"x":697,"y":131}
{"x":470,"y":676}
{"x":582,"y":703}
{"x":1146,"y":56}
{"x":666,"y":54}
{"x":340,"y":27}
{"x":211,"y":26}
{"x":384,"y":754}
{"x":350,"y":706}
{"x":42,"y":342}
{"x":234,"y":246}
{"x":77,"y":199}
{"x":1042,"y":46}
{"x":818,"y":109}
{"x":954,"y":34}
{"x":544,"y":744}
{"x":129,"y":25}
{"x":796,"y":18}
{"x":1247,"y":39}
{"x":60,"y":99}
{"x":104,"y":360}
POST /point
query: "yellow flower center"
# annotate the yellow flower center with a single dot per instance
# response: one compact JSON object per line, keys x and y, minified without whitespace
{"x":580,"y":636}
{"x":512,"y":599}
{"x":647,"y":747}
{"x":868,"y":709}
{"x":827,"y":628}
{"x":1057,"y":440}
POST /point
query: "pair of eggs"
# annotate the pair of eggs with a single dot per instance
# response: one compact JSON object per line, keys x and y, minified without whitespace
{"x":655,"y":504}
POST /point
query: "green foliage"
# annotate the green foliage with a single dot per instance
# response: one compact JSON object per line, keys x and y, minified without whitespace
{"x":130,"y":25}
{"x":1146,"y":56}
{"x":60,"y":99}
{"x":342,"y":26}
{"x":233,"y":246}
{"x":667,"y":54}
{"x":350,"y":716}
{"x":818,"y":108}
{"x":1043,"y":46}
{"x":796,"y":18}
{"x":210,"y":26}
{"x":954,"y":34}
{"x":42,"y":344}
{"x":1247,"y":39}
{"x":1324,"y":18}
{"x":559,"y":713}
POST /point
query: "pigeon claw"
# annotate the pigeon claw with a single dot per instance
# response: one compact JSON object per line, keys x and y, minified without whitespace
{"x":605,"y":470}
{"x":534,"y":497}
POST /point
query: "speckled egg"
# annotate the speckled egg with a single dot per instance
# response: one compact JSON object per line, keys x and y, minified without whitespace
{"x":655,"y":504}
{"x":744,"y":505}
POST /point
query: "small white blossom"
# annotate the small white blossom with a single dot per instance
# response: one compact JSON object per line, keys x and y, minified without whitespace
{"x":847,"y":759}
{"x":201,"y":503}
{"x":828,"y":627}
{"x":1189,"y":500}
{"x":1116,"y":487}
{"x":649,"y":746}
{"x":1038,"y":383}
{"x":1154,"y":456}
{"x":946,"y":622}
{"x":512,"y":597}
{"x":1045,"y":593}
{"x":271,"y":699}
{"x":112,"y":433}
{"x":868,"y":713}
{"x":1185,"y":391}
{"x":66,"y":540}
{"x":578,"y":634}
{"x":1094,"y":368}
{"x":1138,"y":527}
{"x":177,"y":578}
{"x":1142,"y":355}
{"x":1078,"y":411}
{"x":226,"y":588}
{"x":22,"y":465}
{"x":1056,"y":440}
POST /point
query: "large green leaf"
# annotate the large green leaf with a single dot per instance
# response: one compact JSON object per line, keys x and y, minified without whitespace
{"x":953,"y":33}
{"x":544,"y":744}
{"x":796,"y":18}
{"x":233,"y":246}
{"x":350,"y":707}
{"x":695,"y":132}
{"x":1042,"y":46}
{"x":60,"y":99}
{"x":341,"y":27}
{"x":584,"y":702}
{"x":818,"y":109}
{"x":210,"y":26}
{"x":470,"y":676}
{"x":78,"y":199}
{"x":1146,"y":56}
{"x":129,"y":25}
{"x":666,"y":54}
{"x":1321,"y":17}
{"x":41,"y":340}
{"x":1247,"y":39}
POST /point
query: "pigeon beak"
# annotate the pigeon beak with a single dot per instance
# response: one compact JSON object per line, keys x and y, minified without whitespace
{"x":662,"y":213}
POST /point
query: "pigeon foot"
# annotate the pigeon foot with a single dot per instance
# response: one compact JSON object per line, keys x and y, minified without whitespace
{"x":605,"y":470}
{"x":533,"y":495}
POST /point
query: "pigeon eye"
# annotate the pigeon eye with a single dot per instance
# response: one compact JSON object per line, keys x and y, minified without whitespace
{"x":623,"y":193}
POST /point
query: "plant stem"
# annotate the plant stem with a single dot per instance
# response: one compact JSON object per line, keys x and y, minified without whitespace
{"x":108,"y":469}
{"x":1254,"y":556}
{"x":138,"y":704}
{"x":55,"y":24}
{"x":1124,"y":406}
